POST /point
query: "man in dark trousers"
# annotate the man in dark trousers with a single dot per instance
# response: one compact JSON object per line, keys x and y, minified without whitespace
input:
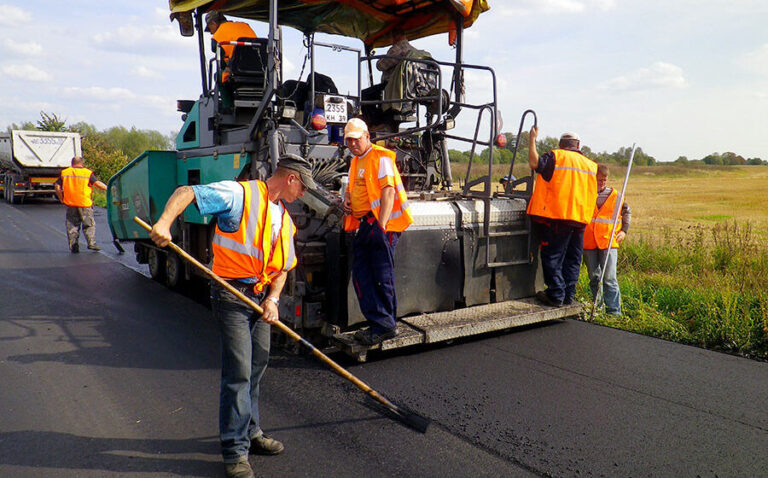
{"x":377,"y":208}
{"x":74,"y":188}
{"x":252,"y":225}
{"x":561,"y":206}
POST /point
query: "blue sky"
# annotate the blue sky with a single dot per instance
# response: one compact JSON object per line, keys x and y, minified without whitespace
{"x":678,"y":77}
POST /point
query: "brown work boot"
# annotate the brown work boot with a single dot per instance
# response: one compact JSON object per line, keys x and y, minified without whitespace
{"x":94,"y":247}
{"x":241,"y":469}
{"x":263,"y":445}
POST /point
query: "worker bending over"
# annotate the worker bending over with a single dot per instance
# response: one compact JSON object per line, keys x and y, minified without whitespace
{"x":598,"y":243}
{"x":377,"y":208}
{"x":74,"y":188}
{"x":253,"y":250}
{"x":561,"y":206}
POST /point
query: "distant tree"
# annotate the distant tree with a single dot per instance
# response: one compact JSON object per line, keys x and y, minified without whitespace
{"x":83,"y":128}
{"x":50,"y":122}
{"x":756,"y":162}
{"x":733,"y":159}
{"x":681,"y":160}
{"x":101,"y":156}
{"x":134,"y":141}
{"x":457,"y":156}
{"x":26,"y":125}
{"x":713,"y":159}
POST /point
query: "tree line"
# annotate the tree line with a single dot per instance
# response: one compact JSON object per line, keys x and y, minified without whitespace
{"x":105,"y":151}
{"x":621,"y":156}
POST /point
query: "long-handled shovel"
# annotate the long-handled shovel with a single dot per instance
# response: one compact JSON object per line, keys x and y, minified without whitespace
{"x":413,"y":420}
{"x":615,"y":218}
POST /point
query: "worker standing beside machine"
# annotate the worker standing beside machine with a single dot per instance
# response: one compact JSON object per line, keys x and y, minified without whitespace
{"x":561,"y":206}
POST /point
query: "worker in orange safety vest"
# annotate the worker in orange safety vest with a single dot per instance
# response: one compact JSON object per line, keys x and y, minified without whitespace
{"x":598,"y":242}
{"x":253,"y":249}
{"x":74,"y":188}
{"x":222,"y":30}
{"x":378,"y":212}
{"x":561,"y":206}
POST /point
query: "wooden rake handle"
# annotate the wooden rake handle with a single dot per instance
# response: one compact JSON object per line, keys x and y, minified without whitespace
{"x":284,"y":328}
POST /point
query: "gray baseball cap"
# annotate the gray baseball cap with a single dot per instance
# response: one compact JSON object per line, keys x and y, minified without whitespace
{"x":214,"y":16}
{"x":570,"y":135}
{"x":300,"y":165}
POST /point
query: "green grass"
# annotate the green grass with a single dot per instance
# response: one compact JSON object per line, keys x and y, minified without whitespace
{"x":700,"y":286}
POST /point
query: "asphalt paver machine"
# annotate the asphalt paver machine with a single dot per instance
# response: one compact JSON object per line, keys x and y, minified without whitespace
{"x":466,"y":266}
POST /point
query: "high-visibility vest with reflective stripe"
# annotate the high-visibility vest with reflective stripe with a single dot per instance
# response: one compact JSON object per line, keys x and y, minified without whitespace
{"x":571,"y":194}
{"x":380,"y":159}
{"x":598,"y":232}
{"x":76,"y":187}
{"x":241,"y":254}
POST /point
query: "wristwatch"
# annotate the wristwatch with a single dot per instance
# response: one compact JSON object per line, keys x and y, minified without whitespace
{"x":276,"y":301}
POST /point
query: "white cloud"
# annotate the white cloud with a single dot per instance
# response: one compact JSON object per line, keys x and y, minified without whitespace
{"x":755,"y":61}
{"x":115,"y":97}
{"x":27,"y":49}
{"x":26,"y":72}
{"x":139,"y":39}
{"x":659,"y":76}
{"x":554,"y":7}
{"x":11,"y":16}
{"x":144,"y":72}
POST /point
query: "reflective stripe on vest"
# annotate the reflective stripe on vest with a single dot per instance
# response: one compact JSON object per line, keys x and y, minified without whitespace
{"x":241,"y":254}
{"x":571,"y":193}
{"x":598,"y":232}
{"x":381,"y":163}
{"x":77,"y":191}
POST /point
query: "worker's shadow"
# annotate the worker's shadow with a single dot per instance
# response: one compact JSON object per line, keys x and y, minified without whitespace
{"x":64,"y":451}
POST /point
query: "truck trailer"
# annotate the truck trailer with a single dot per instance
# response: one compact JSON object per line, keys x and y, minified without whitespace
{"x":468,"y":265}
{"x":31,"y":161}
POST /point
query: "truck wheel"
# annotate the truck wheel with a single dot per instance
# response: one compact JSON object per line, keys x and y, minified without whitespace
{"x":11,"y":193}
{"x":174,"y":271}
{"x":156,"y":262}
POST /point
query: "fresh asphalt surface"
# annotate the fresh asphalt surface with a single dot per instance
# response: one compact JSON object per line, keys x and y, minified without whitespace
{"x":104,"y":372}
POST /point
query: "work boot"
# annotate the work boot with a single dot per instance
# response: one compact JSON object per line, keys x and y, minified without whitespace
{"x":241,"y":469}
{"x":542,"y":297}
{"x":263,"y":445}
{"x":94,"y":247}
{"x":75,"y":248}
{"x":369,"y":337}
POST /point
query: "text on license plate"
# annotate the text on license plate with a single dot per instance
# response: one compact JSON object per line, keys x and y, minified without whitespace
{"x":335,"y":109}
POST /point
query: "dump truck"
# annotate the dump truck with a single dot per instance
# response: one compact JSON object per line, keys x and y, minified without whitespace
{"x":31,"y":161}
{"x":468,"y":265}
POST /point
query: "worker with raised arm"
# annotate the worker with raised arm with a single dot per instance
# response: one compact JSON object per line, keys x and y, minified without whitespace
{"x":253,"y":250}
{"x":377,"y":209}
{"x":598,"y":243}
{"x":561,"y":206}
{"x":74,"y":188}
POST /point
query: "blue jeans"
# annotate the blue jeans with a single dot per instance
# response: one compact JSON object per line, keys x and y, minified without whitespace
{"x":561,"y":247}
{"x":594,"y":259}
{"x":373,"y":274}
{"x":244,"y":356}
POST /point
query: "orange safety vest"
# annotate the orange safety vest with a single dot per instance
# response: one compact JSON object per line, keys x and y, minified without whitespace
{"x":401,"y":217}
{"x":571,"y":193}
{"x":77,"y":190}
{"x":232,"y":31}
{"x":241,"y":254}
{"x":598,"y":232}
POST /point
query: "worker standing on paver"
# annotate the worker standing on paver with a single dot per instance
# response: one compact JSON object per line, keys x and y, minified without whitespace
{"x":74,"y":188}
{"x":253,"y":250}
{"x":598,"y":243}
{"x":377,"y":208}
{"x":561,"y":206}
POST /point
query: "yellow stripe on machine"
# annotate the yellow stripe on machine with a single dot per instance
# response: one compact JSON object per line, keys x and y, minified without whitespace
{"x":42,"y":180}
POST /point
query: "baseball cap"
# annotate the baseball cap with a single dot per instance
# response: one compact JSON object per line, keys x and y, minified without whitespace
{"x":214,"y":16}
{"x":299,"y":165}
{"x":570,"y":135}
{"x":355,"y":128}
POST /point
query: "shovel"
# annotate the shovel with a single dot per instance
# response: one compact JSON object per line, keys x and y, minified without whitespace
{"x":409,"y":418}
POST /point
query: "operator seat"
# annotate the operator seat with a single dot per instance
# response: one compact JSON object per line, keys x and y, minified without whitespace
{"x":248,"y":72}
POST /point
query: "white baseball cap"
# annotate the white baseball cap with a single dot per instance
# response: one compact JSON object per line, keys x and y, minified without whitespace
{"x":355,"y":128}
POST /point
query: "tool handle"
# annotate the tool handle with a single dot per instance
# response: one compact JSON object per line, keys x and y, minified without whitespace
{"x":284,"y":328}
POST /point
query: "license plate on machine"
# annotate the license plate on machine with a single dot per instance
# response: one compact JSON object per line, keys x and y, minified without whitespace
{"x":335,"y":109}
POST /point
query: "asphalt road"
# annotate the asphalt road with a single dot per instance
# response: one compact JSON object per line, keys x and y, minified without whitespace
{"x":104,"y":372}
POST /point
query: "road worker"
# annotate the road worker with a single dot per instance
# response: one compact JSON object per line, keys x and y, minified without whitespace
{"x":222,"y":30}
{"x":561,"y":206}
{"x":597,"y":243}
{"x":253,"y":250}
{"x":74,"y":188}
{"x":377,"y":208}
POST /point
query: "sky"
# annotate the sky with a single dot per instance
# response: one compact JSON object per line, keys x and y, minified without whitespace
{"x":676,"y":77}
